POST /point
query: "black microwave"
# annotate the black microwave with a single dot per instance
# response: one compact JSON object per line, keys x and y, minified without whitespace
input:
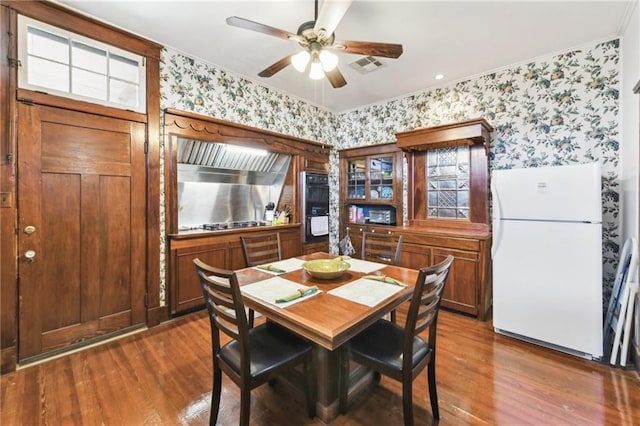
{"x":382,"y":216}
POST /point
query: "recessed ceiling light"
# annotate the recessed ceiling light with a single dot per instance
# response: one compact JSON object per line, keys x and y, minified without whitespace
{"x":439,"y":76}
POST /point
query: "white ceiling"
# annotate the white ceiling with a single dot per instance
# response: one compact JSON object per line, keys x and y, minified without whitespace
{"x":457,"y":38}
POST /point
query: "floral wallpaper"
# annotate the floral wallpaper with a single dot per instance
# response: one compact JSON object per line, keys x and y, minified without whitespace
{"x":557,"y":110}
{"x":189,"y":85}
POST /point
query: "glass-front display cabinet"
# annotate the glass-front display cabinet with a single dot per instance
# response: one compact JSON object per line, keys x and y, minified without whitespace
{"x":372,"y":178}
{"x":371,"y":185}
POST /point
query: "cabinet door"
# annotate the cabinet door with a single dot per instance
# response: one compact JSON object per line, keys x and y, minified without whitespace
{"x":310,"y":248}
{"x":290,"y":243}
{"x":461,"y":292}
{"x":187,"y":293}
{"x":381,"y":172}
{"x":236,"y":256}
{"x":356,"y":179}
{"x":415,"y":256}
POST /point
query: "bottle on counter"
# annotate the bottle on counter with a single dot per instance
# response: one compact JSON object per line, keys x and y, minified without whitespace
{"x":269,"y":212}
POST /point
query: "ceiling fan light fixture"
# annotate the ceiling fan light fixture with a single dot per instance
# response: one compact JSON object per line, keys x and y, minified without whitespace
{"x":316,"y":73}
{"x":300,"y":60}
{"x":328,"y":60}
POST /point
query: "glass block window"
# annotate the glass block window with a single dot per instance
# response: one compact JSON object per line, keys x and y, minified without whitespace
{"x":62,"y":63}
{"x":448,"y":182}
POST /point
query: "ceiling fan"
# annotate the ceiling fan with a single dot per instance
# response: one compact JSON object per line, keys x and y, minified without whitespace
{"x":317,"y":37}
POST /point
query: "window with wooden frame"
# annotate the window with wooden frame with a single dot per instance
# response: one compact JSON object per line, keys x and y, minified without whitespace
{"x":448,"y":175}
{"x":63,"y":63}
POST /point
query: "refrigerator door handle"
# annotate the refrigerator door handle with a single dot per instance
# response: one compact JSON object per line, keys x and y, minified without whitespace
{"x":497,"y":222}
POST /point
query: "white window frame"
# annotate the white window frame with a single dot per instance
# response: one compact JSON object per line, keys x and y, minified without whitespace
{"x":23,"y":25}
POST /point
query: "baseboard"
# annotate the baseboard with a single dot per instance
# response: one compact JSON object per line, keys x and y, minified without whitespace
{"x":8,"y":360}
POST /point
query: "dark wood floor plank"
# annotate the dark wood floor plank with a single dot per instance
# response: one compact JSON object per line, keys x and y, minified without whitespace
{"x":162,"y":376}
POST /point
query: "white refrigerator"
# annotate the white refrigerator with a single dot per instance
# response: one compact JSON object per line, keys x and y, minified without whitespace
{"x":547,"y":256}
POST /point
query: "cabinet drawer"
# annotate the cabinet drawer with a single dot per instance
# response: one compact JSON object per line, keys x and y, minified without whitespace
{"x":381,"y":229}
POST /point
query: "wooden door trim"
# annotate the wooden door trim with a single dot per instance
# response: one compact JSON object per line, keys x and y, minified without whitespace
{"x":8,"y":215}
{"x":62,"y":17}
{"x":45,"y":99}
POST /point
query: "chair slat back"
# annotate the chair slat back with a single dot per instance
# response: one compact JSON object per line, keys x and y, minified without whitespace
{"x":380,"y":247}
{"x":425,"y":304}
{"x":224,"y":303}
{"x":429,"y":303}
{"x":261,"y":249}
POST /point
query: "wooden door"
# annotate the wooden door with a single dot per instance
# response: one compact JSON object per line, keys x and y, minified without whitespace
{"x":82,"y":189}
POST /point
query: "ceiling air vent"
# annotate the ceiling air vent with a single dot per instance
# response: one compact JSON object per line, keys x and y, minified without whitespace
{"x":366,"y":65}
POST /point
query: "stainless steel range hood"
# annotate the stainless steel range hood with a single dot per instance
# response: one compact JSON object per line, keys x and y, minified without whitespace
{"x":225,"y":182}
{"x":223,"y":163}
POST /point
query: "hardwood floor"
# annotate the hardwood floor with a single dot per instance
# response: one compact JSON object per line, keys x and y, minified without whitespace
{"x":162,"y":376}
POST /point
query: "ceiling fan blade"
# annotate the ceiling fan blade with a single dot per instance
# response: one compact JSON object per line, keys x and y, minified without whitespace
{"x":236,"y":21}
{"x":278,"y":66}
{"x":336,"y":78}
{"x":369,"y":48}
{"x":330,"y":16}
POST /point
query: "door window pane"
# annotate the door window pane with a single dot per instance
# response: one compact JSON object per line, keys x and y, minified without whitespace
{"x":90,"y":84}
{"x":45,"y":73}
{"x":123,"y":93}
{"x":124,"y":68}
{"x":89,"y":58}
{"x":47,"y":45}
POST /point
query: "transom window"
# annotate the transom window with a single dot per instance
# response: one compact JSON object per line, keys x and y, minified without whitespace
{"x":59,"y":62}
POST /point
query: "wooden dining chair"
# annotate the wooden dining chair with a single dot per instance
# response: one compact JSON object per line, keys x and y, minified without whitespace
{"x":400,"y":353}
{"x":382,"y":248}
{"x":260,"y":249}
{"x":254,"y":355}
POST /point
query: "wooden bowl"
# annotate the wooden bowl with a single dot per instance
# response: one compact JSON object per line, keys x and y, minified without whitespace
{"x":326,"y":269}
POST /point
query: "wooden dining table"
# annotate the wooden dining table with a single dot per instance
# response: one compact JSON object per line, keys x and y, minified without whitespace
{"x":328,"y":320}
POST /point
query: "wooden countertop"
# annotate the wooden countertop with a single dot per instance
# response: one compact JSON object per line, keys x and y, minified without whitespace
{"x":449,"y":232}
{"x":429,"y":230}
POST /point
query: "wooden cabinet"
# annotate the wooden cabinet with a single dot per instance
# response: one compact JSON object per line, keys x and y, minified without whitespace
{"x":371,"y":175}
{"x":469,"y":283}
{"x":309,"y":248}
{"x":462,"y":291}
{"x":448,"y":175}
{"x":356,"y":230}
{"x":432,"y":232}
{"x":186,"y":292}
{"x":415,"y":256}
{"x":448,"y":208}
{"x":468,"y":286}
{"x":370,"y":178}
{"x":222,"y":249}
